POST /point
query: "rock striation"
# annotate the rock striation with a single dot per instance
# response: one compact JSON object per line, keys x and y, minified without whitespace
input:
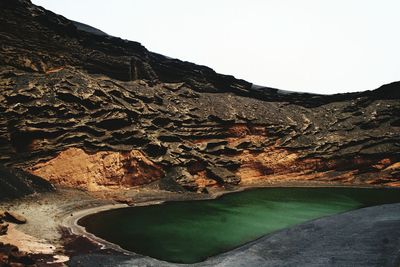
{"x":85,"y":109}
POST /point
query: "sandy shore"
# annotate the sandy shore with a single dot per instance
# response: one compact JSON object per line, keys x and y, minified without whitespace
{"x":44,"y":212}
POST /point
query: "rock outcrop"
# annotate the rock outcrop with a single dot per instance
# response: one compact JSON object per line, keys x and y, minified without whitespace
{"x":75,"y":168}
{"x":11,"y":256}
{"x":16,"y":183}
{"x":3,"y":225}
{"x":80,"y":108}
{"x":13,"y":217}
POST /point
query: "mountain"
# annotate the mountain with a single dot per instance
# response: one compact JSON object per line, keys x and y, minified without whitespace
{"x":81,"y":108}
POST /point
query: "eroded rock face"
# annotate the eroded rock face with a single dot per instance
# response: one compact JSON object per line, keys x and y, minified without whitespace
{"x":16,"y":183}
{"x":11,"y":256}
{"x":85,"y":109}
{"x":75,"y":168}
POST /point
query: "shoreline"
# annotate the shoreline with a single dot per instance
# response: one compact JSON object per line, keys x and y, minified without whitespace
{"x":48,"y":213}
{"x":71,"y":222}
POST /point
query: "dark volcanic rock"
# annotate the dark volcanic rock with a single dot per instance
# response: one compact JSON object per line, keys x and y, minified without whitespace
{"x":11,"y":256}
{"x":17,"y":183}
{"x":3,"y":228}
{"x":14,"y":217}
{"x":222,"y":175}
{"x":65,"y":86}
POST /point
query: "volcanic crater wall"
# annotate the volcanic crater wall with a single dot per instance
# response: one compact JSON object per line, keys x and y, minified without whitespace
{"x":94,"y":111}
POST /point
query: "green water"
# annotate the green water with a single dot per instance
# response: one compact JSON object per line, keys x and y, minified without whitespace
{"x":191,"y":231}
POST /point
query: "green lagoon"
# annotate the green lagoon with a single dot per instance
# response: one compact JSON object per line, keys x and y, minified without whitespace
{"x":191,"y":231}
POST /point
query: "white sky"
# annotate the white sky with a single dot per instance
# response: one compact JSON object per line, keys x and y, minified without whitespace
{"x":317,"y":46}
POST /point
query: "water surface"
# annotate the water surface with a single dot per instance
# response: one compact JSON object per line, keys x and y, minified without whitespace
{"x":191,"y":231}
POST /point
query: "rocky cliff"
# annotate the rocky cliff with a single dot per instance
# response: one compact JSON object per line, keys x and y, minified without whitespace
{"x":81,"y":108}
{"x":16,"y":183}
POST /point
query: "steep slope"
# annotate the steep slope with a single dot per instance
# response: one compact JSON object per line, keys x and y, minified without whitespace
{"x":85,"y":109}
{"x":17,"y":183}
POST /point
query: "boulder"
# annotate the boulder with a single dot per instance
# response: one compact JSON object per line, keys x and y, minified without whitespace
{"x":222,"y":175}
{"x":3,"y":228}
{"x":14,"y":217}
{"x":11,"y":256}
{"x":169,"y":181}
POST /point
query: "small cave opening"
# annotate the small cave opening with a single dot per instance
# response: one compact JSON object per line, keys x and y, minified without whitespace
{"x":154,"y":150}
{"x":196,"y":167}
{"x":22,"y":141}
{"x":113,"y":124}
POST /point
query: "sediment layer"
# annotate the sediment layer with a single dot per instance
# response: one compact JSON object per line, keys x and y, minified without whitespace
{"x":82,"y":108}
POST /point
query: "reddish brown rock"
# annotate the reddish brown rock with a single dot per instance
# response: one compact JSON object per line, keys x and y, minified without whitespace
{"x":76,"y":168}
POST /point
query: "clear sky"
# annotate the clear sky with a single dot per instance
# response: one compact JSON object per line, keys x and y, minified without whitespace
{"x":322,"y":46}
